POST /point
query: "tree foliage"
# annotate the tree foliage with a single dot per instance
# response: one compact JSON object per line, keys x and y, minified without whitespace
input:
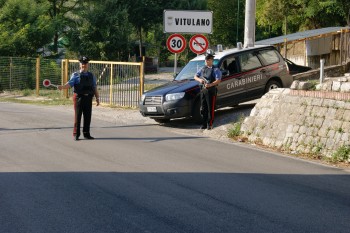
{"x":110,"y":29}
{"x":101,"y":37}
{"x":24,"y":27}
{"x":326,"y":13}
{"x":288,"y":16}
{"x":59,"y":12}
{"x":228,"y":17}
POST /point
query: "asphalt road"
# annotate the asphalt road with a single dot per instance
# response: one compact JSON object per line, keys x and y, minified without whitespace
{"x":149,"y":178}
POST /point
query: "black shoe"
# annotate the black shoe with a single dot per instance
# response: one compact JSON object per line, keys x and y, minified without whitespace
{"x":76,"y":137}
{"x":88,"y":136}
{"x":209,"y":127}
{"x":203,"y":127}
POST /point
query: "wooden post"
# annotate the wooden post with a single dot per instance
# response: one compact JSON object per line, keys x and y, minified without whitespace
{"x":306,"y":63}
{"x":142,"y":78}
{"x":65,"y":77}
{"x":341,"y":47}
{"x":37,"y":83}
{"x":285,"y":47}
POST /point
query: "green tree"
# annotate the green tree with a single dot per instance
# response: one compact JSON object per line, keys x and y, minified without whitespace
{"x":143,"y":15}
{"x":325,"y":13}
{"x":228,"y":17}
{"x":24,"y":27}
{"x":345,"y":6}
{"x":102,"y":31}
{"x":279,"y":15}
{"x":60,"y":12}
{"x":289,"y":16}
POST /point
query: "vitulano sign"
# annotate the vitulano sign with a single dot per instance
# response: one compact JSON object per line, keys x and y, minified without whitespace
{"x":188,"y":21}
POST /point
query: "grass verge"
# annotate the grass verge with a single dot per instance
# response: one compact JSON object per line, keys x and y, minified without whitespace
{"x":47,"y":97}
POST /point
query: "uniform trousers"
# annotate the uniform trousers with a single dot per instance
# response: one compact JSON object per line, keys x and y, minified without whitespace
{"x":82,"y":106}
{"x":208,"y":100}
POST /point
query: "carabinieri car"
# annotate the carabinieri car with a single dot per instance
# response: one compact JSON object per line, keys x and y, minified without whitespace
{"x":247,"y":74}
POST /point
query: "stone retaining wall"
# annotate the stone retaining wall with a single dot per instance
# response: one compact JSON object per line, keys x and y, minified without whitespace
{"x":300,"y":122}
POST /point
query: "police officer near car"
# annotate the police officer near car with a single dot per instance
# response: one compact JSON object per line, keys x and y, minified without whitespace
{"x":209,"y":77}
{"x":85,"y":88}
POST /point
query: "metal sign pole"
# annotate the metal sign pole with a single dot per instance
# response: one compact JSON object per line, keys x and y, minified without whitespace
{"x":175,"y":64}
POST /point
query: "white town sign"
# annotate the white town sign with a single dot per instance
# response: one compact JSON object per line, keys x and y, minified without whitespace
{"x":187,"y":21}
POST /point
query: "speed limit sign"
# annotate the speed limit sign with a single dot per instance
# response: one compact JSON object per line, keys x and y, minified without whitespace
{"x":176,"y":43}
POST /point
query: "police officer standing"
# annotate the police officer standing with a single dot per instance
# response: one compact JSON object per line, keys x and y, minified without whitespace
{"x":209,"y":76}
{"x":85,"y":88}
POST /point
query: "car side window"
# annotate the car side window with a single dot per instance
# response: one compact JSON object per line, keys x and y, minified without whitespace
{"x":270,"y":56}
{"x":249,"y":61}
{"x":229,"y":66}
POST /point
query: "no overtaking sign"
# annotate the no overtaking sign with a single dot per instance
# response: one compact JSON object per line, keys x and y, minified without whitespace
{"x":198,"y":44}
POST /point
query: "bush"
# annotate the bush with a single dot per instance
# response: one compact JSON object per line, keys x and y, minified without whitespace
{"x":342,"y":154}
{"x":235,"y":131}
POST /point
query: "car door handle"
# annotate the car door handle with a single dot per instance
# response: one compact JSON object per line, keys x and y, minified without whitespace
{"x":263,"y":71}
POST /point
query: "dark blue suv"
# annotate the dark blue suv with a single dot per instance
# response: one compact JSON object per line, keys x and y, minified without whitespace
{"x":248,"y":73}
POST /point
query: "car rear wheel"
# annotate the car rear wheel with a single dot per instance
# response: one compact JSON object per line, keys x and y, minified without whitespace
{"x":272,"y":84}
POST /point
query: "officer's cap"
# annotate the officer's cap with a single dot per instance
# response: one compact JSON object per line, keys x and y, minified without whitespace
{"x":84,"y":60}
{"x":209,"y":54}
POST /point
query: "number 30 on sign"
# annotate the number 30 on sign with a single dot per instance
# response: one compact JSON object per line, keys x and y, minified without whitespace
{"x":176,"y":43}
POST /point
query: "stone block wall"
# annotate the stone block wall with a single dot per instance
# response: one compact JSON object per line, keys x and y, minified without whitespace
{"x":300,"y":121}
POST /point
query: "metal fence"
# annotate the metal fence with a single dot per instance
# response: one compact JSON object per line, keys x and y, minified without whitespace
{"x":21,"y":73}
{"x":119,"y":83}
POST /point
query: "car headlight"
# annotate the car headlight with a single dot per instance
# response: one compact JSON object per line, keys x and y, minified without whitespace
{"x":143,"y":97}
{"x":174,"y":96}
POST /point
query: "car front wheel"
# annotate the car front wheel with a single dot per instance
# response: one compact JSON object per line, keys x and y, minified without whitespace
{"x":196,"y":113}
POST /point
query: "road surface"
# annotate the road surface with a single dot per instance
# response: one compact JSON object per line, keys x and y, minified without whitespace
{"x":148,"y":178}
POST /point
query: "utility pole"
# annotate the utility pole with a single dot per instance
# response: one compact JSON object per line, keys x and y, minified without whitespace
{"x":249,"y":25}
{"x":237,"y":22}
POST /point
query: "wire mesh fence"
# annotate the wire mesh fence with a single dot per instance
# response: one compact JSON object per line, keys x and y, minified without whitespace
{"x":17,"y":73}
{"x":119,"y":83}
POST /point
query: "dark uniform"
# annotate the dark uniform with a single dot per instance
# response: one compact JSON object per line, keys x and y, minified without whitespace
{"x":208,"y":94}
{"x":82,"y":98}
{"x":84,"y":84}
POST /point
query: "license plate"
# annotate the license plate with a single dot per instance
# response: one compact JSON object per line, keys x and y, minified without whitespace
{"x":151,"y":109}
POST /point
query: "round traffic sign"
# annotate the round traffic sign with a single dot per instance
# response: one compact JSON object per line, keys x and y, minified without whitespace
{"x":176,"y":43}
{"x":199,"y":44}
{"x":46,"y":83}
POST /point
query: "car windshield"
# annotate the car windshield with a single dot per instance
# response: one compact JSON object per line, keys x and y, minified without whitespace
{"x":191,"y":69}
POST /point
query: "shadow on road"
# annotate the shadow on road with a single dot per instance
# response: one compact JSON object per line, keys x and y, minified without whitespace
{"x":173,"y":202}
{"x":151,"y":139}
{"x":222,"y":117}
